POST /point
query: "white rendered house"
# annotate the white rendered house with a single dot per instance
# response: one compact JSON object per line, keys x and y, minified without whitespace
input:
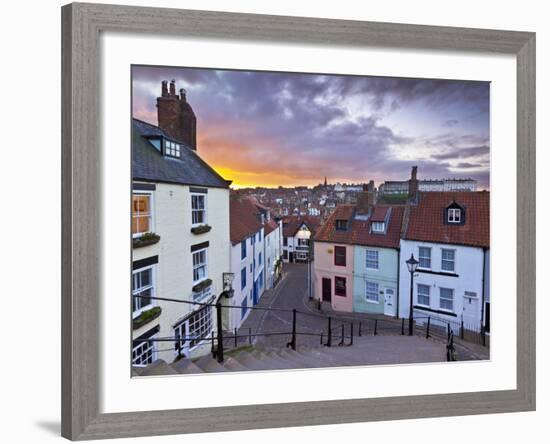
{"x":448,"y":233}
{"x":180,"y":230}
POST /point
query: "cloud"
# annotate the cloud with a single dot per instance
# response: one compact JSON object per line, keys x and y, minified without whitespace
{"x":450,"y":123}
{"x":303,"y":127}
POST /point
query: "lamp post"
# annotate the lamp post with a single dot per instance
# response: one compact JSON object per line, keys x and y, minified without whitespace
{"x":227,"y":279}
{"x":412,"y":265}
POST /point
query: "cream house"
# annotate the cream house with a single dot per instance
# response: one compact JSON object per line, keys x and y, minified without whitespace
{"x":180,"y":230}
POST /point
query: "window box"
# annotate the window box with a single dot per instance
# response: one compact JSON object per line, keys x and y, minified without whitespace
{"x":201,"y":229}
{"x":145,"y":239}
{"x":146,"y":317}
{"x":202,"y":285}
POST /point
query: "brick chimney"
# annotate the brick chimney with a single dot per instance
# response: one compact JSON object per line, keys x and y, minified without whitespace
{"x":413,"y":183}
{"x":175,"y":115}
{"x":366,"y":199}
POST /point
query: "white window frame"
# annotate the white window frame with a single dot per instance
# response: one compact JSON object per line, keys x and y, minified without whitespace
{"x":194,"y":210}
{"x":447,"y":299}
{"x":200,"y":265}
{"x":245,"y":250}
{"x":183,"y":329}
{"x":172,"y":149}
{"x":136,"y":313}
{"x":151,"y":212}
{"x":146,"y":345}
{"x":371,"y":292}
{"x":454,"y":215}
{"x":423,"y":295}
{"x":453,"y":270}
{"x":371,"y":260}
{"x":378,"y":227}
{"x":420,"y":257}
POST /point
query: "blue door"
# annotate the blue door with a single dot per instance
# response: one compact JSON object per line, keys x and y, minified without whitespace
{"x":255,"y":293}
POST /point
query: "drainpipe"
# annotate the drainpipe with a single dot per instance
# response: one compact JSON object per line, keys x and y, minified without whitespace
{"x":398,"y":281}
{"x":482,"y":324}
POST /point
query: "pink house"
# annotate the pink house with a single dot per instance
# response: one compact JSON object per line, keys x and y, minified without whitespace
{"x":334,"y":256}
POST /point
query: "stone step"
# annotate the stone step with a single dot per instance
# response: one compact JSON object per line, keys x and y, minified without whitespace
{"x":159,"y":367}
{"x":297,"y":360}
{"x":253,"y":362}
{"x":274,"y":363}
{"x":186,"y":366}
{"x":232,"y":364}
{"x":209,"y":365}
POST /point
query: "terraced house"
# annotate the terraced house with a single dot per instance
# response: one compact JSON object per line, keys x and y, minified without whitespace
{"x":247,"y":258}
{"x":448,"y":233}
{"x":357,"y":258}
{"x":180,"y":229}
{"x":298,"y":232}
{"x":376,"y":280}
{"x":334,"y":259}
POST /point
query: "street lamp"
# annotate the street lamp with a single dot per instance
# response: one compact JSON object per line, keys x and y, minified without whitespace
{"x":412,"y":265}
{"x":305,"y":235}
{"x":227,"y":279}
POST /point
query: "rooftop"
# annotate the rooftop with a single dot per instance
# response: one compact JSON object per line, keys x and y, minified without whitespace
{"x":149,"y":164}
{"x":427,"y":219}
{"x":359,"y":231}
{"x":291,"y":224}
{"x":244,"y":219}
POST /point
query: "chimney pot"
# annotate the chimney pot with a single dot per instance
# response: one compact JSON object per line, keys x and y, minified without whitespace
{"x":183,"y":94}
{"x":164,"y":88}
{"x":173,"y":87}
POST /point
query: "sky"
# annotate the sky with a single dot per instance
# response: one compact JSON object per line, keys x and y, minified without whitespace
{"x":269,"y":129}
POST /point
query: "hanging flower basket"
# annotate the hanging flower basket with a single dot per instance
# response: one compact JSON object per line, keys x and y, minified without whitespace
{"x":145,"y":239}
{"x":200,"y":229}
{"x":146,"y":317}
{"x":202,"y":285}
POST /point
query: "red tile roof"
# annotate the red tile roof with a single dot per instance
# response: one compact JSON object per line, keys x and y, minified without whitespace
{"x":379,"y":214}
{"x":328,"y":233}
{"x":390,"y":239}
{"x":426,"y":220}
{"x":291,"y":224}
{"x":270,"y":226}
{"x":360,"y":233}
{"x":244,"y":219}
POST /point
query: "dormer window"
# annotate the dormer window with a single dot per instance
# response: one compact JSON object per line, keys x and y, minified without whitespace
{"x":157,"y":143}
{"x":341,"y":225}
{"x":378,"y":227}
{"x":454,"y":214}
{"x":172,"y":149}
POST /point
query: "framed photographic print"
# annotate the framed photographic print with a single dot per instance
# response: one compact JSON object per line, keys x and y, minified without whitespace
{"x":261,"y":213}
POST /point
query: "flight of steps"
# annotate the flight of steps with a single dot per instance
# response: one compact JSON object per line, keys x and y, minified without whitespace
{"x":261,"y":358}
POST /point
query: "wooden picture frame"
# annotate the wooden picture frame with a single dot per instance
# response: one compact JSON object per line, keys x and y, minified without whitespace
{"x":81,"y":173}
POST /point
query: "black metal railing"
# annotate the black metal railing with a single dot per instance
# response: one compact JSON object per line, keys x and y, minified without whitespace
{"x":223,"y":340}
{"x":338,"y":331}
{"x":441,"y":327}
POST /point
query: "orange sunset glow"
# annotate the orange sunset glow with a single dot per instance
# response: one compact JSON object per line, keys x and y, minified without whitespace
{"x":284,"y":129}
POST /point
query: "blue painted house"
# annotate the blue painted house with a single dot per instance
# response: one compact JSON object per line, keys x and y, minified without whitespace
{"x":376,"y":240}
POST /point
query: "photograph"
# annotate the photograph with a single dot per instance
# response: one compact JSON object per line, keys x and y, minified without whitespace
{"x":288,"y":220}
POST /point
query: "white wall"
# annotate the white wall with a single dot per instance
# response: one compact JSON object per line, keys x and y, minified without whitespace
{"x":239,"y":294}
{"x":38,"y":421}
{"x":174,"y":271}
{"x":273,"y":253}
{"x":468,"y":267}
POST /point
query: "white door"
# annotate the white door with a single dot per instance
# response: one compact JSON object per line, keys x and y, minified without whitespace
{"x":389,"y":301}
{"x":471,"y":311}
